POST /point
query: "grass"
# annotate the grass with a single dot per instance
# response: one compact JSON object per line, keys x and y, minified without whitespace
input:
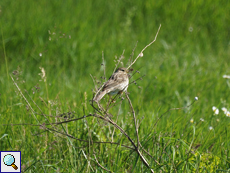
{"x":188,"y":59}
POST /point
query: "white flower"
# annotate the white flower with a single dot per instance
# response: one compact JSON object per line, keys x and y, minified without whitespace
{"x":210,"y":128}
{"x":201,"y":119}
{"x":224,"y":109}
{"x":40,"y":54}
{"x":42,"y":74}
{"x":228,"y":114}
{"x":216,"y":110}
{"x":196,"y":98}
{"x":226,"y":76}
{"x":191,"y":121}
{"x":190,"y":29}
{"x":141,"y":54}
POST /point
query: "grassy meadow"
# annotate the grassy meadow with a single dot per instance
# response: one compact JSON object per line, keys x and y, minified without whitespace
{"x":54,"y":51}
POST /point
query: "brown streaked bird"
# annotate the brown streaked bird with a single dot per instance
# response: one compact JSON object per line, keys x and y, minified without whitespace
{"x":116,"y":84}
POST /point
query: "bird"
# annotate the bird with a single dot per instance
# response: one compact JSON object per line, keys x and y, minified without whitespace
{"x":116,"y":84}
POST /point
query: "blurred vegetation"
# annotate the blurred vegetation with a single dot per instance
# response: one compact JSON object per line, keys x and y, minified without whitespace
{"x":67,"y":38}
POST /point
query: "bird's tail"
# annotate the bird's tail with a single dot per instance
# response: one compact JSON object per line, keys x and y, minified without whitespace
{"x":99,"y":96}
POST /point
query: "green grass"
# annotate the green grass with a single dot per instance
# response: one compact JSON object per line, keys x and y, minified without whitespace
{"x":188,"y":59}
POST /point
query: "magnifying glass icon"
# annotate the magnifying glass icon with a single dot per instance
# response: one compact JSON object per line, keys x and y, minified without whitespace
{"x":9,"y":160}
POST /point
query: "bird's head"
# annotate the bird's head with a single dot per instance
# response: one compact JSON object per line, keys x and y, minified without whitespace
{"x":123,"y":69}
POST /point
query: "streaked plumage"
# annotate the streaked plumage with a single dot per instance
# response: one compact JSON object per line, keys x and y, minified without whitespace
{"x":117,"y":83}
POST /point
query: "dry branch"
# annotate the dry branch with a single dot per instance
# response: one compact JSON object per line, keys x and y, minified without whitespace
{"x":24,"y":98}
{"x":100,"y":164}
{"x":134,"y":118}
{"x":141,"y":53}
{"x":128,"y":137}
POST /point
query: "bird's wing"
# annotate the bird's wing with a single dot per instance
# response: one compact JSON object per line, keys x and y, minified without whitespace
{"x":99,"y":96}
{"x":109,"y":86}
{"x":113,"y":81}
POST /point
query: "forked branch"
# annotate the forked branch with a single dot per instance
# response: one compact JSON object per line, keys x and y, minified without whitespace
{"x":128,"y":137}
{"x":141,"y":53}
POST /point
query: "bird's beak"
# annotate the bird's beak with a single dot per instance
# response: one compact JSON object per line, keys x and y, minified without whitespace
{"x":129,"y":70}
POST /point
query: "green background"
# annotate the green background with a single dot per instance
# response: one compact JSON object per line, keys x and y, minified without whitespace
{"x":188,"y":59}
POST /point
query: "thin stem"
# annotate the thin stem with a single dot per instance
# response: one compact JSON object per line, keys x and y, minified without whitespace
{"x":128,"y":137}
{"x":4,"y":50}
{"x":134,"y":118}
{"x":100,"y":164}
{"x":24,"y":98}
{"x":141,"y":53}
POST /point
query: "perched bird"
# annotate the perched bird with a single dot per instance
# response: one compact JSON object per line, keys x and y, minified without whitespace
{"x":116,"y":84}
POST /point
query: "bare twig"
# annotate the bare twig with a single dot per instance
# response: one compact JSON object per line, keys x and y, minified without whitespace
{"x":134,"y":118}
{"x":89,"y":137}
{"x":100,"y":164}
{"x":87,"y":160}
{"x":119,"y":61}
{"x":95,"y":142}
{"x":140,"y":122}
{"x":137,"y":71}
{"x":116,"y":121}
{"x":132,"y":54}
{"x":94,"y":82}
{"x":141,"y":53}
{"x":57,"y":123}
{"x":43,"y":101}
{"x":39,"y":108}
{"x":33,"y":101}
{"x":24,"y":98}
{"x":149,"y":154}
{"x":140,"y":78}
{"x":128,"y":137}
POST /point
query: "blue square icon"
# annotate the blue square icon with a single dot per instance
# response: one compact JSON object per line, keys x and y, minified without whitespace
{"x":10,"y":161}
